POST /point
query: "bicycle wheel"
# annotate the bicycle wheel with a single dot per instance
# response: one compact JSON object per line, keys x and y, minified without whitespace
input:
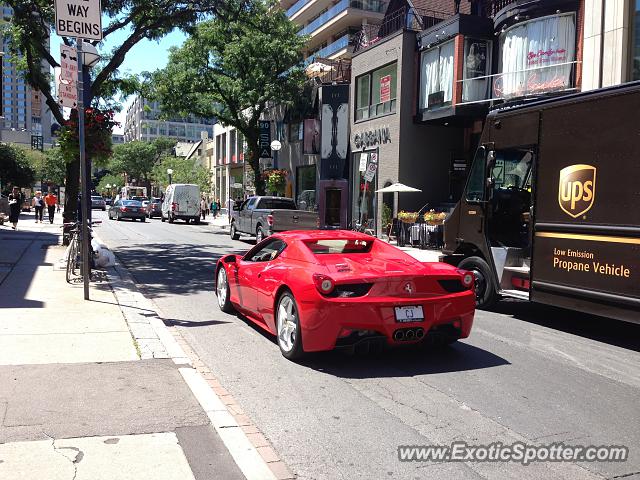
{"x":72,"y":254}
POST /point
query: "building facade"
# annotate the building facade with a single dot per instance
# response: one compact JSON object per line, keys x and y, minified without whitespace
{"x":143,"y":122}
{"x":26,"y":119}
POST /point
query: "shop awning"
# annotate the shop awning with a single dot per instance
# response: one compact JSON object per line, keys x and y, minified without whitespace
{"x":398,"y":187}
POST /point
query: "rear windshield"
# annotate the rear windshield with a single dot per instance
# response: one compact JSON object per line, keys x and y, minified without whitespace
{"x":131,"y":203}
{"x":96,"y":198}
{"x":326,"y":246}
{"x":272,"y":203}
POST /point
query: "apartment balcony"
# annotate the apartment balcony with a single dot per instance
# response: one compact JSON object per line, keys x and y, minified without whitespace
{"x":331,"y":51}
{"x":405,"y":18}
{"x":346,"y":13}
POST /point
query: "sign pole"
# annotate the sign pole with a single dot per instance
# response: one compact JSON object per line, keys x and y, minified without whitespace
{"x":83,"y":177}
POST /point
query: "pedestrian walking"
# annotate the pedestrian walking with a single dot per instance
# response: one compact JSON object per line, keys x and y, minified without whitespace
{"x":15,"y":205}
{"x":230,"y":203}
{"x":38,"y":205}
{"x":203,"y":208}
{"x":51,"y":201}
{"x":214,"y":209}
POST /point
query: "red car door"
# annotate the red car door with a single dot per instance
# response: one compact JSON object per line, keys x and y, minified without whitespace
{"x":247,"y":275}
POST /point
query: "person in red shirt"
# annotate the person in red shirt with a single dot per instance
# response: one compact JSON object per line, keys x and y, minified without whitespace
{"x":51,"y":200}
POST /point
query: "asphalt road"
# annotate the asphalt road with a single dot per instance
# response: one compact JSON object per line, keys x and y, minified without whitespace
{"x":528,"y":373}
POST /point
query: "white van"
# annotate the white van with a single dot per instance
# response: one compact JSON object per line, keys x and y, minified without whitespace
{"x":181,"y":202}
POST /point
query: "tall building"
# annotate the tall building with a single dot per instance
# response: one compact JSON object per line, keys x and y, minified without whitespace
{"x":26,"y":119}
{"x":332,"y":25}
{"x":143,"y":123}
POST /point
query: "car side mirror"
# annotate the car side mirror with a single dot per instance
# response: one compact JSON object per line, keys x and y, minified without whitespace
{"x":230,"y":259}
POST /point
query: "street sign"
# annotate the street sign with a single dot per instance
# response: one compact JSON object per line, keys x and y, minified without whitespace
{"x":67,"y":94}
{"x":371,"y":171}
{"x":79,"y":19}
{"x":276,"y":145}
{"x":68,"y":65}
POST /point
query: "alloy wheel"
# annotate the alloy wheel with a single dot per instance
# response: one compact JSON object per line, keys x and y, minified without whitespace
{"x":222,"y":287}
{"x":287,"y":324}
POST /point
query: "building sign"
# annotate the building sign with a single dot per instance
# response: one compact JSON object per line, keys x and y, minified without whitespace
{"x":334,"y":140}
{"x":371,"y":138}
{"x":79,"y":19}
{"x":537,"y":57}
{"x":265,"y":139}
{"x":385,"y":88}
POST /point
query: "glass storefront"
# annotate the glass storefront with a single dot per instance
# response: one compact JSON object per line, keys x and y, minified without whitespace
{"x":306,"y":188}
{"x":363,"y":210}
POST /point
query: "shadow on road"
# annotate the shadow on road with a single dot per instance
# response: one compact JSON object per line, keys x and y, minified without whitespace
{"x":606,"y":330}
{"x":170,"y":322}
{"x":172,"y":269}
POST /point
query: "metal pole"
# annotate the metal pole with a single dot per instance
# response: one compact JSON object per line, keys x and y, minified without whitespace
{"x":83,"y":176}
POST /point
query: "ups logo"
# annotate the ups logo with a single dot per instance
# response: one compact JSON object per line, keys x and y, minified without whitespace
{"x":577,"y":189}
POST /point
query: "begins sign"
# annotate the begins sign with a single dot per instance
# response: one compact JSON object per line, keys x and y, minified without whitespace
{"x":79,"y":19}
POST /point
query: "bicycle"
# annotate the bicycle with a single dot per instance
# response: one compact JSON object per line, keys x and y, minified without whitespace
{"x":73,"y":255}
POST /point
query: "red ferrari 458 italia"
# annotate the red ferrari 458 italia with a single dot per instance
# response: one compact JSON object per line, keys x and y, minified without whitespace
{"x":318,"y":290}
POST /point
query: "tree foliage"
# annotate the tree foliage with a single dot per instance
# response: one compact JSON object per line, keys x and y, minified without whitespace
{"x":47,"y":166}
{"x":15,"y":170}
{"x":233,"y":69}
{"x":31,"y":28}
{"x":114,"y":182}
{"x":137,"y":159}
{"x":184,"y":171}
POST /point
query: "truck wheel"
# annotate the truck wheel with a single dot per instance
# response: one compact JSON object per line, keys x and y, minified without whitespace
{"x":233,"y":232}
{"x":196,"y":220}
{"x":162,"y":218}
{"x":259,"y":234}
{"x":171,"y":219}
{"x":485,"y":286}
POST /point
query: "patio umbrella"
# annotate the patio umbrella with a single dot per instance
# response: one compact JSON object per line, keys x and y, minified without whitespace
{"x":317,"y":67}
{"x":398,"y":187}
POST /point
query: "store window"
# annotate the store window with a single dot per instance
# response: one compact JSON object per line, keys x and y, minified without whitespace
{"x":306,"y":188}
{"x":636,"y":42}
{"x":296,"y":132}
{"x":364,"y":208}
{"x":477,"y":64}
{"x":436,"y":76}
{"x":376,"y":92}
{"x":536,"y":57}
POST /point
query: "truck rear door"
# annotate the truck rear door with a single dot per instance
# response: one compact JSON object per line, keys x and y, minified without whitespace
{"x":587,"y":220}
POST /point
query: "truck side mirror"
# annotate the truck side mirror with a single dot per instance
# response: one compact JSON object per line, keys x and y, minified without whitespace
{"x":491,"y":159}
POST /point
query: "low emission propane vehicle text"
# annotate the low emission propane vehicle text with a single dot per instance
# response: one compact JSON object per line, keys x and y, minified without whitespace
{"x":319,"y":290}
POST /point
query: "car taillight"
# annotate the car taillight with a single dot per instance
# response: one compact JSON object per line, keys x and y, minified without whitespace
{"x":124,"y":209}
{"x":270,"y":220}
{"x":174,"y":206}
{"x":324,"y":284}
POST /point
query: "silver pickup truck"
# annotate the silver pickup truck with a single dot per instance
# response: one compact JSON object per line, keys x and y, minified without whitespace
{"x":262,"y":216}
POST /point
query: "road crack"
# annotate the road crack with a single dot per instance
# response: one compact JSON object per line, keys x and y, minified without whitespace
{"x":74,"y":459}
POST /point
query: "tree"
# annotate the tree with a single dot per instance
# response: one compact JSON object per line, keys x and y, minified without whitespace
{"x":184,"y":171}
{"x":233,"y":69}
{"x":135,"y":20}
{"x":48,"y":166}
{"x":114,"y":182}
{"x":137,"y":159}
{"x":15,"y":170}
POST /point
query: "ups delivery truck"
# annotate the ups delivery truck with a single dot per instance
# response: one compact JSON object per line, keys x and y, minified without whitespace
{"x":551,"y":207}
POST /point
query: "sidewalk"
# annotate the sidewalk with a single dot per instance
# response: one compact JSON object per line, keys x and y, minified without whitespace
{"x":76,"y":399}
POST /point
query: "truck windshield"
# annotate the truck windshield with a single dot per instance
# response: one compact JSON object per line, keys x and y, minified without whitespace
{"x":275,"y":203}
{"x":512,"y":169}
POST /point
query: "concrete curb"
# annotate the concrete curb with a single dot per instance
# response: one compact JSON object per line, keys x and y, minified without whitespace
{"x":251,"y":451}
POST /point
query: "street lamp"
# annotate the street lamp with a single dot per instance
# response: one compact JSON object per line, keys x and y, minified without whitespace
{"x":169,"y":172}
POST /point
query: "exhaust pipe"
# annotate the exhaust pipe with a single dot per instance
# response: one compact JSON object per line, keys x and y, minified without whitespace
{"x":398,"y":335}
{"x":410,"y":334}
{"x":419,"y":333}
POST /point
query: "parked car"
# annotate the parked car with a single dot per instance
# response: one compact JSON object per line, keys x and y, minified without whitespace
{"x":4,"y":209}
{"x":181,"y":202}
{"x":321,"y":289}
{"x":263,"y":216}
{"x":98,"y":202}
{"x":108,"y":201}
{"x":154,"y":207}
{"x":127,"y":209}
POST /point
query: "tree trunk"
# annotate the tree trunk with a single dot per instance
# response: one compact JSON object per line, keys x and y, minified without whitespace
{"x":72,"y":186}
{"x":254,"y":161}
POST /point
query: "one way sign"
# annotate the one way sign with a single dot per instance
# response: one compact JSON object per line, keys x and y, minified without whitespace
{"x":79,"y":19}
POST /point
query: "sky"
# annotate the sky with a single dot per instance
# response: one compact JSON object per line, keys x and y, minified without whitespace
{"x":144,"y":56}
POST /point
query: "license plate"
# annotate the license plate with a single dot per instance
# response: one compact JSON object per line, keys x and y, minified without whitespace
{"x":409,"y":314}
